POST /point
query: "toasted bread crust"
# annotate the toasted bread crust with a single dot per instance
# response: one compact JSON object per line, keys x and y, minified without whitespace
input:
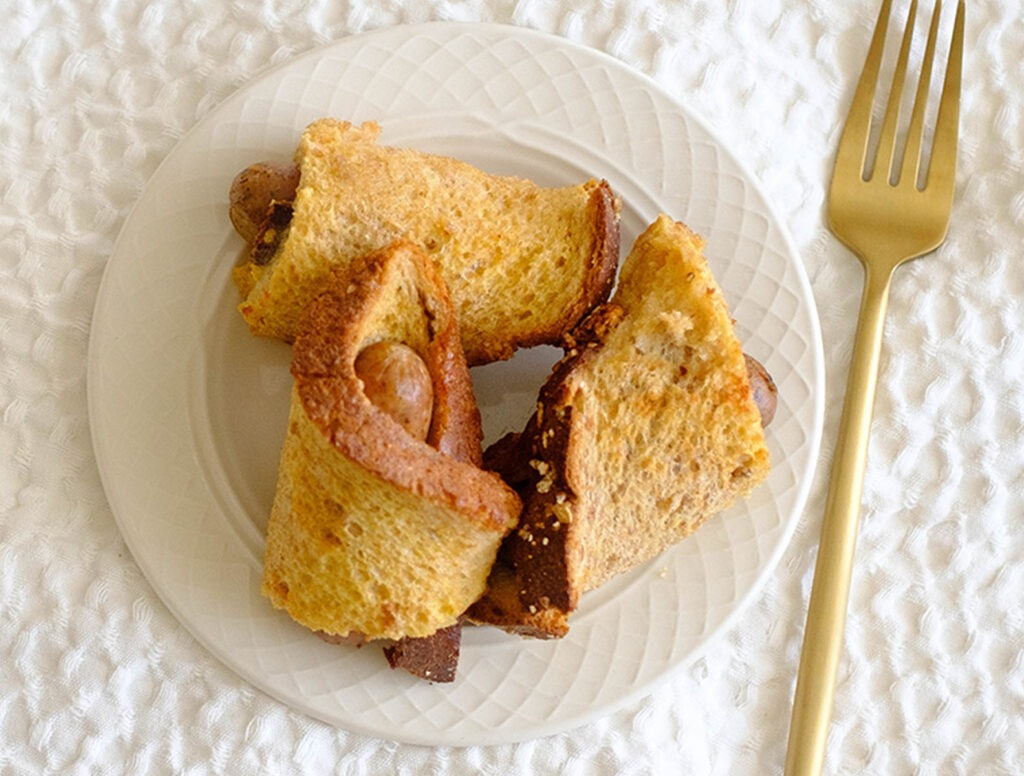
{"x":502,"y":607}
{"x":536,"y":599}
{"x":434,"y":658}
{"x":323,"y":365}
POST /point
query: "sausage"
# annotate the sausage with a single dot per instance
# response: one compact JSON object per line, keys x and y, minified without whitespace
{"x":766,"y":394}
{"x":253,"y":191}
{"x":396,"y":380}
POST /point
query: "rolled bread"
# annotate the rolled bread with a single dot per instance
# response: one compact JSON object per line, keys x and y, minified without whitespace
{"x":372,"y":531}
{"x":644,"y":430}
{"x":523,"y":263}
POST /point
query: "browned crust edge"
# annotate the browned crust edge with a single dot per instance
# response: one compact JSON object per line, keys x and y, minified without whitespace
{"x":603,"y":261}
{"x":434,"y":657}
{"x":444,"y":468}
{"x":533,"y":594}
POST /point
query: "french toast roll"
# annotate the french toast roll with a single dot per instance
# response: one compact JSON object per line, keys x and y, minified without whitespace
{"x":645,"y":429}
{"x":373,"y":530}
{"x":523,"y":263}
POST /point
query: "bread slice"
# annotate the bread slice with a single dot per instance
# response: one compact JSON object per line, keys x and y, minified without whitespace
{"x":372,"y":531}
{"x":523,"y":263}
{"x":645,"y":429}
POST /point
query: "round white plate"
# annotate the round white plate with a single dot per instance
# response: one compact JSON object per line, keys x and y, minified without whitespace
{"x":188,"y":410}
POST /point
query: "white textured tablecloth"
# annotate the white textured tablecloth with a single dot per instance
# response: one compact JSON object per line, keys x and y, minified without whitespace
{"x":97,"y":676}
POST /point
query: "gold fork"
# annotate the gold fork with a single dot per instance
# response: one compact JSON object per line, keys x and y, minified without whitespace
{"x":886,"y":212}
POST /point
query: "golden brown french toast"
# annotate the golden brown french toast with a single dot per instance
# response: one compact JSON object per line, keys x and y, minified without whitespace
{"x":645,"y":429}
{"x":523,"y":263}
{"x":375,"y":531}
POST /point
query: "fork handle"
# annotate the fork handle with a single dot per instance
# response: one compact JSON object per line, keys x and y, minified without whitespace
{"x":826,"y":614}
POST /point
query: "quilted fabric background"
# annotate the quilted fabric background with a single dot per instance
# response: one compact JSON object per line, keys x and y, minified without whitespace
{"x":99,"y":677}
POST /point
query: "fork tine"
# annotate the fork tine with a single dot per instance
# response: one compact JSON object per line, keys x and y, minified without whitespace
{"x":942,"y":167}
{"x":853,"y":144}
{"x":887,"y":137}
{"x":915,"y":132}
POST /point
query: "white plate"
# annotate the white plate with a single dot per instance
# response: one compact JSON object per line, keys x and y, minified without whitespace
{"x":188,"y":410}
